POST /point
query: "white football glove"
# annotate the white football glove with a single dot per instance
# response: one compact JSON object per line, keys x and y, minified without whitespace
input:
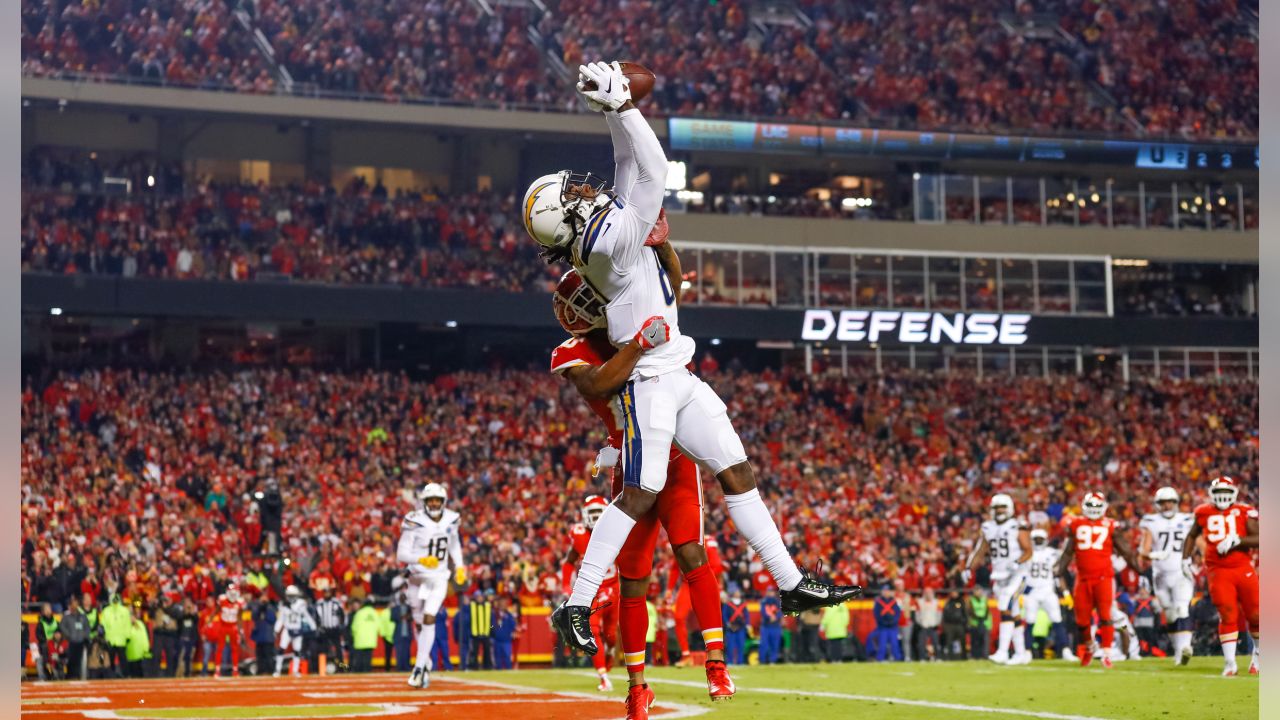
{"x":607,"y":457}
{"x":1188,"y":570}
{"x":612,"y":90}
{"x":1158,"y":555}
{"x":1227,"y":543}
{"x":592,"y":105}
{"x":965,"y":576}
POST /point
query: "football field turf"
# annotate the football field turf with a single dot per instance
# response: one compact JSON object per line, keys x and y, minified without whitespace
{"x":1050,"y":690}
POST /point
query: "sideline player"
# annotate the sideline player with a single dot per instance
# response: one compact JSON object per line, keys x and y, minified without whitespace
{"x":227,"y":629}
{"x":1164,"y":533}
{"x":1091,"y":540}
{"x":1230,"y":530}
{"x":1042,"y":591}
{"x":429,"y":537}
{"x":1007,"y":541}
{"x":293,"y":622}
{"x":595,"y":369}
{"x":602,"y":233}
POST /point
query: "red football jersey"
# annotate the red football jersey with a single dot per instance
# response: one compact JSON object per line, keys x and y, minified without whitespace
{"x":229,"y":610}
{"x":579,"y":536}
{"x":1216,"y":525}
{"x":574,"y":352}
{"x":1093,"y":544}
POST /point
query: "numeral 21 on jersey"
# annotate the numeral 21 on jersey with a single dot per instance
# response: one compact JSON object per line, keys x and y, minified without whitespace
{"x":1091,"y":537}
{"x":1220,"y":527}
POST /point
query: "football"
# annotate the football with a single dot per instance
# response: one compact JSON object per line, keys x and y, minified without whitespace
{"x":640,"y":76}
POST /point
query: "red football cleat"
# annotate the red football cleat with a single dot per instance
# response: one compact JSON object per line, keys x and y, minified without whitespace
{"x":1106,"y":660}
{"x":639,"y":699}
{"x":719,"y":684}
{"x":1086,"y":657}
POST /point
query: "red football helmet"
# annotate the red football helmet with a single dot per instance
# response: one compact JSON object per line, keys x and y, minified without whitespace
{"x":592,"y":509}
{"x":577,"y":306}
{"x":1223,"y":491}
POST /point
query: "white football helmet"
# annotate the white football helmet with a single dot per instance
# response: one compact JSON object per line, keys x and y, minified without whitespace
{"x":555,"y":215}
{"x":1039,"y":537}
{"x":1223,"y":491}
{"x":1094,"y":506}
{"x":433,"y":491}
{"x":1167,"y":494}
{"x":1001,"y":507}
{"x":292,"y":592}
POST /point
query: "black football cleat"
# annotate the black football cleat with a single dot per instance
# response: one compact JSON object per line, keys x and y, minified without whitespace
{"x":573,"y":624}
{"x":810,"y":594}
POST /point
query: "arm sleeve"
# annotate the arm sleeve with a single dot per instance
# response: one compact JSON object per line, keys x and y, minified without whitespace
{"x":455,"y":547}
{"x":404,"y":553}
{"x":641,"y":174}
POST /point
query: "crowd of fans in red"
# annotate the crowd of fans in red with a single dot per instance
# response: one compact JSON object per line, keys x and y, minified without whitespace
{"x":1179,"y":67}
{"x":141,"y":483}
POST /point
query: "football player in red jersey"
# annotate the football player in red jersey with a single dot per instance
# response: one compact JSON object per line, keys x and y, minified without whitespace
{"x":1230,"y":531}
{"x":604,"y":621}
{"x":226,"y":629}
{"x":1091,"y":539}
{"x":598,"y":370}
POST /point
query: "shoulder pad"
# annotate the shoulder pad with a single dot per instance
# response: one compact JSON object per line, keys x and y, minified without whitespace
{"x":1148,"y":519}
{"x":450,"y":518}
{"x":579,"y":529}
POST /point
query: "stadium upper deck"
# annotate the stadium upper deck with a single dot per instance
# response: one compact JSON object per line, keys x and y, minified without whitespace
{"x":985,"y":66}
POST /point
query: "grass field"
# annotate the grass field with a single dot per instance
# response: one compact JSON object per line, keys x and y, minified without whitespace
{"x":1052,"y":690}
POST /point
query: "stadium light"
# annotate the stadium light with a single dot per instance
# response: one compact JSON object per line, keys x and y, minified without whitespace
{"x":715,"y":341}
{"x":55,"y":311}
{"x":451,"y":323}
{"x":677,"y":175}
{"x":151,"y":181}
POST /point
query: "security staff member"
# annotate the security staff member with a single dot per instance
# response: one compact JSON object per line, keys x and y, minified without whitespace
{"x":482,"y":631}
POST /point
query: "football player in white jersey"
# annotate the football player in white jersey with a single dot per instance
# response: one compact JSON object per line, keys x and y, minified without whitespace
{"x":1006,"y":539}
{"x":293,"y":622}
{"x":602,"y":232}
{"x":1163,"y":534}
{"x":1042,"y":591}
{"x":429,"y":538}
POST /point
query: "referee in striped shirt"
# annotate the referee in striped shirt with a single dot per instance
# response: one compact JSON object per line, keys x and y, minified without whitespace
{"x":333,"y":630}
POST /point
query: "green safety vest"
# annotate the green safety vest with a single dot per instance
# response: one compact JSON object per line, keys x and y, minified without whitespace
{"x":139,"y":644}
{"x":365,"y":627}
{"x":116,"y":623}
{"x":981,"y":613}
{"x":49,"y":626}
{"x":92,"y":616}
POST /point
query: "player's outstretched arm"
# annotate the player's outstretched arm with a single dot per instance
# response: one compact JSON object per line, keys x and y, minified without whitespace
{"x":1068,"y":554}
{"x":976,"y":558}
{"x":606,"y":380}
{"x":1189,"y":545}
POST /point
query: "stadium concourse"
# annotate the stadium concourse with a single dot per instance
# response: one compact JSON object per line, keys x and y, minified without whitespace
{"x":1135,"y":67}
{"x":140,"y":483}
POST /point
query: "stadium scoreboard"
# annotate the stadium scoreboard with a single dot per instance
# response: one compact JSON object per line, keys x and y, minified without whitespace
{"x":803,"y":139}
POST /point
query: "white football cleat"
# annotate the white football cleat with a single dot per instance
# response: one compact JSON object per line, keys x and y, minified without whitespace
{"x":606,"y":685}
{"x":999,"y":658}
{"x":1023,"y":658}
{"x":1230,"y":670}
{"x":415,"y":678}
{"x":1068,"y":655}
{"x":1184,"y":657}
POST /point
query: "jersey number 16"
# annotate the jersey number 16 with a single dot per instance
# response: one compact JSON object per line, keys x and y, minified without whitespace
{"x":438,"y":546}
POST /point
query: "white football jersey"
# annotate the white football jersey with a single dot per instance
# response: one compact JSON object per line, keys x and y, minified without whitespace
{"x":1168,"y":534}
{"x":420,"y":537}
{"x":1002,"y":545}
{"x":294,"y":617}
{"x":611,"y":255}
{"x":1039,"y":570}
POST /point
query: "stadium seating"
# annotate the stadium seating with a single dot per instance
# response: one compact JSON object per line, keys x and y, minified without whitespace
{"x":991,"y":65}
{"x":145,"y":476}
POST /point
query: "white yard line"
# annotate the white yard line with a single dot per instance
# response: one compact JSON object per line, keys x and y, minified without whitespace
{"x":679,"y":710}
{"x":381,"y":710}
{"x":890,"y":700}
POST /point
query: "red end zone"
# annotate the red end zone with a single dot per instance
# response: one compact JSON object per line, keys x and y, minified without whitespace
{"x":364,"y":696}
